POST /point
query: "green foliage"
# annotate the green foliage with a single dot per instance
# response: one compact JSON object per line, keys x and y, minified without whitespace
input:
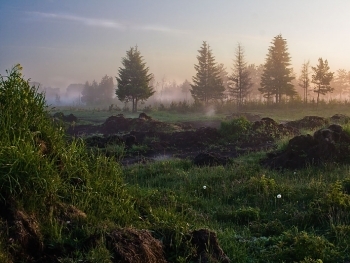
{"x":276,"y":78}
{"x":240,"y":81}
{"x":236,"y":128}
{"x":295,"y":246}
{"x":29,"y":134}
{"x":246,"y":215}
{"x":207,"y":82}
{"x":322,"y":78}
{"x":134,"y":79}
{"x":98,"y":93}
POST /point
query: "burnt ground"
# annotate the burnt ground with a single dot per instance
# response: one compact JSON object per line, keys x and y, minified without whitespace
{"x":146,"y":139}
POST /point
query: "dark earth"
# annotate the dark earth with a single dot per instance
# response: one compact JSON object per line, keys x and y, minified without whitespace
{"x":146,"y":140}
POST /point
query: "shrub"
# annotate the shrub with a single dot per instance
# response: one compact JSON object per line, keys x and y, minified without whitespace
{"x":236,"y":128}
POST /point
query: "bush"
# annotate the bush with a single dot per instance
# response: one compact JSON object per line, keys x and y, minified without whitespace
{"x":236,"y":128}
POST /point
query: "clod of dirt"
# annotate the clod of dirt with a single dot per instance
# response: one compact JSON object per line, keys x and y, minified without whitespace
{"x":266,"y":131}
{"x":209,"y":159}
{"x":308,"y":122}
{"x":207,"y":246}
{"x":330,"y":144}
{"x":115,"y":124}
{"x":102,"y":142}
{"x":130,"y":140}
{"x":69,"y":213}
{"x":339,"y":119}
{"x":25,"y":236}
{"x":145,"y":116}
{"x":69,"y":118}
{"x":134,"y":246}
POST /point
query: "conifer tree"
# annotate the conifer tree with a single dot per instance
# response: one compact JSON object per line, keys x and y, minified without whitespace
{"x":277,"y":76}
{"x":207,"y":82}
{"x":322,"y":78}
{"x":134,"y":79}
{"x":240,"y":81}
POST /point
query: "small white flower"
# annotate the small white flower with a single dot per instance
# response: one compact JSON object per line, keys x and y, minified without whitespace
{"x":204,"y":187}
{"x":68,"y":222}
{"x":295,"y":173}
{"x":279,"y":196}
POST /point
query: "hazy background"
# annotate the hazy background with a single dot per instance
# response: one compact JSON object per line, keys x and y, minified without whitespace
{"x":69,"y":42}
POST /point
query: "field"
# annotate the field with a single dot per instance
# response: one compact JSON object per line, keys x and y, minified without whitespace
{"x":89,"y":191}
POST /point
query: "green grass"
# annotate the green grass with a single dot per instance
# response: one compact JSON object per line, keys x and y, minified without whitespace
{"x":280,"y":113}
{"x":74,"y":194}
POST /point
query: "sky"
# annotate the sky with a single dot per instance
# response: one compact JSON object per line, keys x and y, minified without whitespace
{"x":59,"y":42}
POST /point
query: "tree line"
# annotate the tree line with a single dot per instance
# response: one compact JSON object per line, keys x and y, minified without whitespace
{"x":274,"y":80}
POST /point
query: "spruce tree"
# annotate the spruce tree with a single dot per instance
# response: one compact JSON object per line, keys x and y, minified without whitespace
{"x":207,"y":82}
{"x":134,"y":79}
{"x":277,"y":76}
{"x":322,"y":78}
{"x":240,"y":81}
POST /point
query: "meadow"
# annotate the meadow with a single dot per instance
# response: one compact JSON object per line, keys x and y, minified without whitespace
{"x":63,"y":203}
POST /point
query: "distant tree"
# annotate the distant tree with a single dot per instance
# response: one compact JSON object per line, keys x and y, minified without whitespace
{"x":223,"y":75}
{"x":322,"y":78}
{"x":341,"y":82}
{"x":89,"y":93}
{"x":240,"y":80}
{"x":134,"y":79}
{"x":304,"y":79}
{"x":255,"y":73}
{"x":106,"y":89}
{"x":94,"y":93}
{"x":277,"y":76}
{"x":57,"y":99}
{"x":185,"y":88}
{"x":207,"y":82}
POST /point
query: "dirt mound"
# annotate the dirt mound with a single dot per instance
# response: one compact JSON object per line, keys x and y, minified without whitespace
{"x":207,"y":247}
{"x":266,"y":131}
{"x":69,"y":118}
{"x":209,"y":159}
{"x":23,"y":234}
{"x":339,"y":119}
{"x":102,"y":142}
{"x":330,"y":144}
{"x":271,"y":128}
{"x":134,"y":246}
{"x":115,"y":124}
{"x":308,"y":122}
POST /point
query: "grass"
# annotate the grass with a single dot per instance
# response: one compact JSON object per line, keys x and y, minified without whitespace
{"x":68,"y":196}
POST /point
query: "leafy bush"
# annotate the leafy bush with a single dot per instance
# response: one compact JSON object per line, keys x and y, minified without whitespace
{"x":236,"y":128}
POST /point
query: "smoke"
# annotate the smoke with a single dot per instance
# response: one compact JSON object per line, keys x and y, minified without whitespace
{"x":210,"y":111}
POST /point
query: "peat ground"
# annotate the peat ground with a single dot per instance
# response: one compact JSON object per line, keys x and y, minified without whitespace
{"x":145,"y":139}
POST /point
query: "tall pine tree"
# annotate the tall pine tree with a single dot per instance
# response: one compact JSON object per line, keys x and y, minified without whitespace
{"x":277,"y":76}
{"x":207,"y":82}
{"x":240,"y":81}
{"x":134,"y":79}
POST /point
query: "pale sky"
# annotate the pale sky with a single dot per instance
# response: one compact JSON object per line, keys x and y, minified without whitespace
{"x":59,"y":42}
